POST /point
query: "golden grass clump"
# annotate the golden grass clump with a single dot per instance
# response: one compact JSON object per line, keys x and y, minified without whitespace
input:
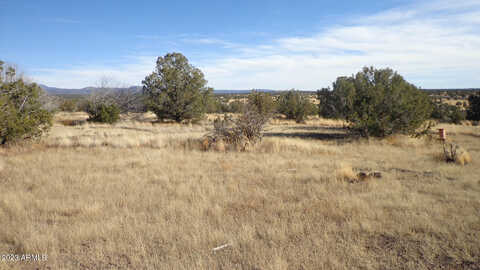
{"x":463,"y":157}
{"x":453,"y":153}
{"x":345,"y":172}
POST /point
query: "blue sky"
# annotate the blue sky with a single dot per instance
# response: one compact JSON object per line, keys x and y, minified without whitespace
{"x":243,"y":44}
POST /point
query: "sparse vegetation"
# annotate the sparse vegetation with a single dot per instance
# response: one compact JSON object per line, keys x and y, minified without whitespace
{"x":103,"y":196}
{"x":271,"y":195}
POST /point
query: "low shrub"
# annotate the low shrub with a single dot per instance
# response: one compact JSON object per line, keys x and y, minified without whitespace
{"x":238,"y":134}
{"x":68,"y":105}
{"x":448,"y":113}
{"x":103,"y":113}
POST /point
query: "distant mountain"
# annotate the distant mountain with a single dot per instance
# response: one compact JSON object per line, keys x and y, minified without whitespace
{"x":66,"y":91}
{"x":88,"y":90}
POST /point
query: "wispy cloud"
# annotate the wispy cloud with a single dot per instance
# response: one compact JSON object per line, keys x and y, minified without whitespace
{"x":432,"y":44}
{"x":132,"y":72}
{"x":212,"y":41}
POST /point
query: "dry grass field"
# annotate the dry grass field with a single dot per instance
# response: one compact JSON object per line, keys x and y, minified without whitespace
{"x":137,"y":195}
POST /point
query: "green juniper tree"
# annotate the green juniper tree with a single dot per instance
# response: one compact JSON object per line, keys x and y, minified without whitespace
{"x":379,"y":102}
{"x":473,"y":110}
{"x":21,"y":113}
{"x":262,"y":102}
{"x":295,"y":106}
{"x":176,"y":90}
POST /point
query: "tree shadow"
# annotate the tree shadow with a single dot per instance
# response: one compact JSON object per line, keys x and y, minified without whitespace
{"x":315,"y":128}
{"x":336,"y":136}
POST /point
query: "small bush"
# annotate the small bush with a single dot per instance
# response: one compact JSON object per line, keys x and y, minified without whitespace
{"x":473,"y":111}
{"x":235,"y":106}
{"x":103,"y":113}
{"x":240,"y":134}
{"x":68,"y":105}
{"x":448,"y":113}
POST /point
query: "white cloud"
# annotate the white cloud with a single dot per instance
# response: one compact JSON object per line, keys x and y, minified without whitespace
{"x":433,"y":45}
{"x":131,"y":73}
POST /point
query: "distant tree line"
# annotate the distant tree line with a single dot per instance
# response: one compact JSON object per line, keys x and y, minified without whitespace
{"x":375,"y":102}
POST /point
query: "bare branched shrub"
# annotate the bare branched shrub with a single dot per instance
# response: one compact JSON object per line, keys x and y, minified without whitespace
{"x":49,"y":102}
{"x":240,"y":133}
{"x":106,"y":103}
{"x":454,"y":153}
{"x":110,"y":93}
{"x":128,"y":100}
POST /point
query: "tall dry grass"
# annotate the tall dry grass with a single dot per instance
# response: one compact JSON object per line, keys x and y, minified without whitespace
{"x":286,"y":204}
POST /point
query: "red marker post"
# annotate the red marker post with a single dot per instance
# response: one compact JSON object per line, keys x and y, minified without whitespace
{"x":442,"y":133}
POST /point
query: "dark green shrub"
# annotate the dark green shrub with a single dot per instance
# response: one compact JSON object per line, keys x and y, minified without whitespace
{"x":379,"y":102}
{"x":295,"y":106}
{"x":212,"y":103}
{"x":235,"y":106}
{"x":473,"y":111}
{"x":448,"y":113}
{"x":22,"y":115}
{"x":176,"y":90}
{"x":331,"y":104}
{"x":103,"y":113}
{"x":263,"y":103}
